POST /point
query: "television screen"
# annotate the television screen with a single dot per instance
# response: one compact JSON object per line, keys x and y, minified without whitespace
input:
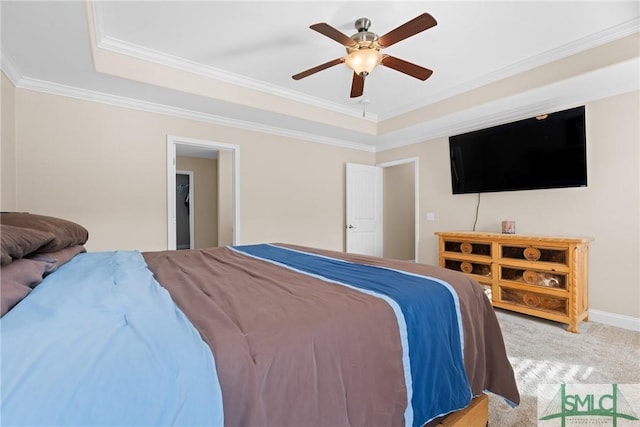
{"x":547,"y":151}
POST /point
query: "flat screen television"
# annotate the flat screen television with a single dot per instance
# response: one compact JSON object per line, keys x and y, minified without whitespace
{"x":548,"y":151}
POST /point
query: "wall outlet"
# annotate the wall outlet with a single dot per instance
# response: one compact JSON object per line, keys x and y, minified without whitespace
{"x":431,"y":216}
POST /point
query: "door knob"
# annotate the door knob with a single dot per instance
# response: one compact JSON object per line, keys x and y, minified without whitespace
{"x":350,"y":226}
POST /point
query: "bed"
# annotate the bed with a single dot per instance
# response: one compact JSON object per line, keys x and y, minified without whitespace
{"x":247,"y":335}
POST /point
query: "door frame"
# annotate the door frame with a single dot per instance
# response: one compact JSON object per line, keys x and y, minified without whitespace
{"x":416,"y":215}
{"x":191,"y":207}
{"x":172,"y":142}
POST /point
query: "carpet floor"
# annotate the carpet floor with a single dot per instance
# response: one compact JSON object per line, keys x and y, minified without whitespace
{"x":543,"y":352}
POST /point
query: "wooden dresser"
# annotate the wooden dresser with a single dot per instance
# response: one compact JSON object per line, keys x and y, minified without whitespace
{"x":542,"y":276}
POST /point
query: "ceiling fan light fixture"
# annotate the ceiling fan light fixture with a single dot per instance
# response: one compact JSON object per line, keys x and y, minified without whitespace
{"x":363,"y":50}
{"x":363,"y":61}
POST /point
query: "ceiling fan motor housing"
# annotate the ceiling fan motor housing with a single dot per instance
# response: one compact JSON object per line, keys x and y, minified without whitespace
{"x":364,"y":38}
{"x":363,"y":24}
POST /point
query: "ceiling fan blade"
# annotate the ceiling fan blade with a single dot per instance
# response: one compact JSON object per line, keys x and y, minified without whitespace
{"x":317,"y":68}
{"x":408,"y":29}
{"x":406,"y":67}
{"x":327,"y":30}
{"x":357,"y":85}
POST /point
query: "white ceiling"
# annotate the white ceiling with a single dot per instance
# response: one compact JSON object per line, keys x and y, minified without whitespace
{"x":259,"y":45}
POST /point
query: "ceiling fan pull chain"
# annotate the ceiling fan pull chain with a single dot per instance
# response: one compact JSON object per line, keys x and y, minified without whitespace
{"x":364,"y":107}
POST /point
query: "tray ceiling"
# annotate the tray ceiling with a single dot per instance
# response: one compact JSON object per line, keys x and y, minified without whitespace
{"x":242,"y":56}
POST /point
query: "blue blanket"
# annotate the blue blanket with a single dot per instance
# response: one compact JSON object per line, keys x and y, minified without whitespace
{"x":428,"y":316}
{"x":100,"y":342}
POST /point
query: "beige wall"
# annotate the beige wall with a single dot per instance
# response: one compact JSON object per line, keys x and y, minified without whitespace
{"x":105,"y":167}
{"x":399,"y":212}
{"x":297,"y":191}
{"x":205,"y":199}
{"x":8,"y":201}
{"x":607,"y":210}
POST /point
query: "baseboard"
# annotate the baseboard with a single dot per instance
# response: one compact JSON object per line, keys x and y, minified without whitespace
{"x":612,"y":319}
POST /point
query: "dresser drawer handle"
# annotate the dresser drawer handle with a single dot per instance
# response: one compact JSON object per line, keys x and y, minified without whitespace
{"x":531,"y":300}
{"x":530,"y":276}
{"x":466,"y":267}
{"x":532,"y":254}
{"x":466,"y":247}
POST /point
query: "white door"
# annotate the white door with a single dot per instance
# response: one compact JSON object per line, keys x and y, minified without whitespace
{"x":364,"y":209}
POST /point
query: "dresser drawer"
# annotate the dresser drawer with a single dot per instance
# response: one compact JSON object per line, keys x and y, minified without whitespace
{"x":534,"y":300}
{"x":533,"y":253}
{"x":541,"y":278}
{"x":468,"y":247}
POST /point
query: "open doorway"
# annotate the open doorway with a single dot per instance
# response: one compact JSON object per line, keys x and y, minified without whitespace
{"x":224,"y":190}
{"x":400,"y":225}
{"x":185,"y":223}
{"x":203,"y":194}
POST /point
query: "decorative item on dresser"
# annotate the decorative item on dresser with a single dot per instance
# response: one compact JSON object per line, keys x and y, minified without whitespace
{"x":542,"y":276}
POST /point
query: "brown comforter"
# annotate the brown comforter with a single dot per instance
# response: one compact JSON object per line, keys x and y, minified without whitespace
{"x":292,"y":350}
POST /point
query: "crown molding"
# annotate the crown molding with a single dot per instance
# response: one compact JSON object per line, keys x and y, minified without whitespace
{"x":589,"y":42}
{"x":468,"y":120}
{"x":464,"y":121}
{"x":125,"y":48}
{"x":9,"y":68}
{"x":579,"y":90}
{"x":135,"y":104}
{"x":115,"y":45}
{"x":7,"y":65}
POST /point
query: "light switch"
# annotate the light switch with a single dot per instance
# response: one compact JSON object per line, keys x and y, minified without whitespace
{"x":431,"y":216}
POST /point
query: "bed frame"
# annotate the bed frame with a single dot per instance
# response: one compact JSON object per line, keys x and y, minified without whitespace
{"x":474,"y":415}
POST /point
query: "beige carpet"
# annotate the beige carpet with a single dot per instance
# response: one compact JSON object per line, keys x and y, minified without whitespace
{"x":543,"y":352}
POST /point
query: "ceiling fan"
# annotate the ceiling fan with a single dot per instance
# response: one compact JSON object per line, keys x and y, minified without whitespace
{"x":363,"y":50}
